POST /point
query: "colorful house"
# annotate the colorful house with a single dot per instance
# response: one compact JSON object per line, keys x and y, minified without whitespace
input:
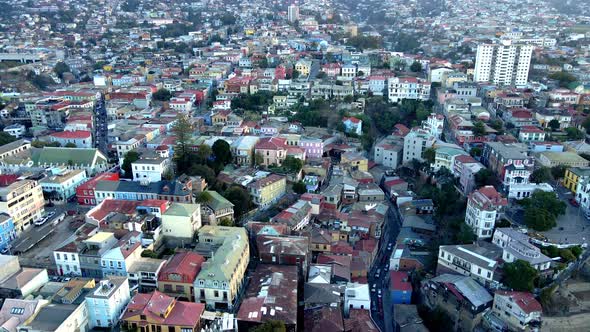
{"x":400,"y":287}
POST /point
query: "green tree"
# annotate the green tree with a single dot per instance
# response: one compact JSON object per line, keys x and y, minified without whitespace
{"x":416,"y":67}
{"x":465,"y":234}
{"x":299,"y":188}
{"x":149,"y":253}
{"x":70,"y":145}
{"x":61,"y":68}
{"x":222,"y":152}
{"x":541,"y":175}
{"x":567,"y":255}
{"x":553,"y":124}
{"x":292,"y":164}
{"x":558,"y":172}
{"x":479,"y":129}
{"x":542,"y":209}
{"x":270,"y":326}
{"x":563,"y":77}
{"x":203,"y":197}
{"x":240,"y":198}
{"x":422,"y":113}
{"x":475,"y":152}
{"x":203,"y":171}
{"x":258,"y":159}
{"x":484,"y":177}
{"x":574,"y":133}
{"x":162,"y":95}
{"x":129,"y":158}
{"x":520,"y":276}
{"x":183,"y":131}
{"x":6,"y":138}
{"x":429,"y":155}
{"x":227,"y":222}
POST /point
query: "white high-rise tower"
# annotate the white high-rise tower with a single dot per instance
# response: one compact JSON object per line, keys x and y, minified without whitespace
{"x":503,"y":63}
{"x":293,"y":14}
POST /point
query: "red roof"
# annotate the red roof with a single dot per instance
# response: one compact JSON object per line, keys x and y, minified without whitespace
{"x":124,"y":206}
{"x":399,"y":281}
{"x":185,"y":264}
{"x":7,"y":179}
{"x":76,"y":134}
{"x":531,"y":129}
{"x":272,"y":143}
{"x":155,"y":305}
{"x":526,"y":301}
{"x":351,"y":119}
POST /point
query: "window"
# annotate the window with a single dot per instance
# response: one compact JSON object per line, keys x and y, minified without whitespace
{"x":57,"y":256}
{"x":17,"y":311}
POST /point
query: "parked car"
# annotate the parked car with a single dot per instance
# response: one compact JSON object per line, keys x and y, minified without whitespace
{"x":573,"y":202}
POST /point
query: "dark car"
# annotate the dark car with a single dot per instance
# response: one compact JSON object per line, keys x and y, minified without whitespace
{"x":573,"y":202}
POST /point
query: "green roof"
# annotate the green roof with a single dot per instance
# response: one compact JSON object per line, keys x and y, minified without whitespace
{"x":233,"y":241}
{"x":218,"y":202}
{"x":181,"y":209}
{"x":75,"y":156}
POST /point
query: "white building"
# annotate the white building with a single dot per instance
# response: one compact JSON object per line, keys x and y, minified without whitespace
{"x":356,"y":296}
{"x":517,"y":309}
{"x":107,"y":302}
{"x":415,"y":142}
{"x":522,"y":190}
{"x":434,"y":124}
{"x":15,"y":130}
{"x":80,"y":138}
{"x":388,"y":152}
{"x":67,"y":261}
{"x":478,"y":261}
{"x":483,"y":209}
{"x":503,"y":63}
{"x":517,"y":245}
{"x":400,"y":88}
{"x":293,"y":13}
{"x":150,"y":170}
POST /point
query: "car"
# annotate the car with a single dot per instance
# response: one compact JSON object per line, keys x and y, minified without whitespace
{"x":5,"y":250}
{"x":390,"y":246}
{"x":379,"y":294}
{"x":573,"y":202}
{"x":40,"y":222}
{"x":378,"y":273}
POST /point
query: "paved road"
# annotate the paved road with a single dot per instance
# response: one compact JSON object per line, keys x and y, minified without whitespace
{"x":381,"y":307}
{"x":100,"y":125}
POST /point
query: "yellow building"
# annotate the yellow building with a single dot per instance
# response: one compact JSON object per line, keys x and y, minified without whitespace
{"x":24,"y":202}
{"x":355,"y":161}
{"x":268,"y":190}
{"x":573,"y":176}
{"x":303,"y":66}
{"x":221,"y":277}
{"x":181,"y":220}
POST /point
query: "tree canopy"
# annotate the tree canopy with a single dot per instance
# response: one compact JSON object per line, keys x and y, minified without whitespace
{"x":299,"y":187}
{"x":520,"y":275}
{"x":541,"y":175}
{"x":130,"y":157}
{"x":416,"y":67}
{"x":240,"y":198}
{"x":222,"y":152}
{"x":61,"y":68}
{"x":542,"y":209}
{"x":6,"y":138}
{"x":162,"y":95}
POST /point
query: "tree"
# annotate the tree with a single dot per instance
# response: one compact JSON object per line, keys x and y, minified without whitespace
{"x":6,"y":138}
{"x":567,"y":255}
{"x":130,"y":157}
{"x":203,"y":171}
{"x":221,"y":151}
{"x":484,"y":177}
{"x":203,"y":197}
{"x":183,"y":131}
{"x":227,"y":222}
{"x":162,"y":95}
{"x":258,"y":159}
{"x":240,"y":198}
{"x":429,"y":155}
{"x":465,"y":235}
{"x":541,"y":175}
{"x":479,"y":129}
{"x":61,"y":68}
{"x":299,"y":188}
{"x":475,"y":152}
{"x":422,"y":113}
{"x":149,"y":253}
{"x":542,"y":209}
{"x":70,"y":145}
{"x":553,"y":124}
{"x":520,"y":275}
{"x":270,"y":326}
{"x":563,"y":77}
{"x":292,"y":164}
{"x":574,"y":133}
{"x":558,"y":172}
{"x":416,"y":67}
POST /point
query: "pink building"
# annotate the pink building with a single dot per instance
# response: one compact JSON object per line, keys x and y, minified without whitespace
{"x":314,"y":147}
{"x":273,"y":150}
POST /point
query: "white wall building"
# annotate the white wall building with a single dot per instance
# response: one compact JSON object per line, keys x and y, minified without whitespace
{"x":15,"y":130}
{"x":415,"y":142}
{"x":293,"y":13}
{"x":503,"y":63}
{"x":434,"y":124}
{"x":356,"y":296}
{"x":107,"y":301}
{"x":150,"y":169}
{"x":400,"y":88}
{"x":472,"y":260}
{"x":518,"y":309}
{"x":67,"y":260}
{"x":517,"y":245}
{"x":483,"y":209}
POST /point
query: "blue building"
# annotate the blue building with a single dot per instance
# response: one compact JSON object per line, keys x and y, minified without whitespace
{"x":400,"y":287}
{"x":7,"y":231}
